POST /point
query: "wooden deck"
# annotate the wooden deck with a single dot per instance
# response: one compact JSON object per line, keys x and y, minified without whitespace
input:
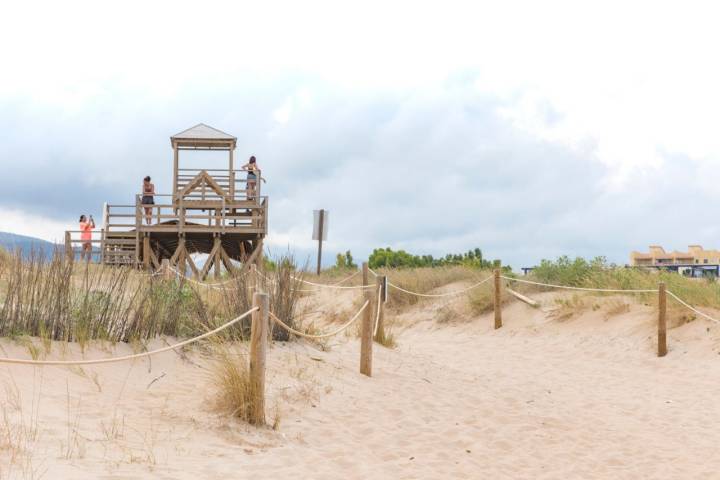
{"x":214,"y":211}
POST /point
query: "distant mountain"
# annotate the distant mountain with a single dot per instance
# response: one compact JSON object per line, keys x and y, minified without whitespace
{"x":12,"y":242}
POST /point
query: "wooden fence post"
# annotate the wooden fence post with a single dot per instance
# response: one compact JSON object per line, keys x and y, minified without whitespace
{"x":380,"y":286}
{"x":662,"y":320}
{"x":258,"y":350}
{"x":366,"y":332}
{"x":69,"y":254}
{"x":497,"y":298}
{"x":146,"y":253}
{"x":166,"y":268}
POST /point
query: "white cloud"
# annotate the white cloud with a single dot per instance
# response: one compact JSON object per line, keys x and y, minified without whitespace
{"x":23,"y":223}
{"x":348,"y":102}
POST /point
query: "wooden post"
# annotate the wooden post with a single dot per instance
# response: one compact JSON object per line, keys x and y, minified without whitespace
{"x":146,"y":253}
{"x":166,"y":268}
{"x":68,"y":247}
{"x":366,"y":335}
{"x":216,"y":258}
{"x":320,"y":238}
{"x":497,"y":297}
{"x":176,"y":165}
{"x":181,"y":262}
{"x":380,"y":286}
{"x":662,"y":320}
{"x":258,"y":349}
{"x":231,"y":174}
{"x":102,"y":246}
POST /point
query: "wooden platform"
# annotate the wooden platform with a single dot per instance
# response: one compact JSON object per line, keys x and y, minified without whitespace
{"x":219,"y":212}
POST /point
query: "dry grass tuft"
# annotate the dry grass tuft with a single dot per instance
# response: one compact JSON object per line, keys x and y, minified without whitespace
{"x":235,"y":390}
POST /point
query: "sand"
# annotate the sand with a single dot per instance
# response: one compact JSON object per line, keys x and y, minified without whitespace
{"x":544,"y":397}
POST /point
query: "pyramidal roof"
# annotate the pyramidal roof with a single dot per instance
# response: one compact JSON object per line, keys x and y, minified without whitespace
{"x":202,"y":132}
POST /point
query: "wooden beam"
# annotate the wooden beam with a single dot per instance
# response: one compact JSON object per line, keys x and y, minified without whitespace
{"x":212,"y":258}
{"x":523,"y":298}
{"x":231,"y":175}
{"x":146,"y":252}
{"x":226,"y":260}
{"x":193,"y":267}
{"x":243,"y":252}
{"x":217,"y":259}
{"x":175,"y":170}
{"x":154,"y":259}
{"x":176,"y":255}
{"x":204,"y":177}
{"x":253,"y":256}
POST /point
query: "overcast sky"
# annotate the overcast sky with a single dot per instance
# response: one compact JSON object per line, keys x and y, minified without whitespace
{"x":528,"y":129}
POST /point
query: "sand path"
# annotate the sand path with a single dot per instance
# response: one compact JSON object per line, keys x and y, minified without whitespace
{"x":583,"y":398}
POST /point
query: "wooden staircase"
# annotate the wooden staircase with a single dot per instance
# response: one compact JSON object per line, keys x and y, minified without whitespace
{"x":120,"y":248}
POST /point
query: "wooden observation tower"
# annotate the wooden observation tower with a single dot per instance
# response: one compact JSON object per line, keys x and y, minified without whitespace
{"x":209,"y":211}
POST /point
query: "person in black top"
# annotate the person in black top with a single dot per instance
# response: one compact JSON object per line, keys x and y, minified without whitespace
{"x":148,"y":198}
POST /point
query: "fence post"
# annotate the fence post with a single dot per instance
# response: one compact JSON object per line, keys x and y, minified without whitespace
{"x":380,"y":286}
{"x":165,"y":267}
{"x":662,"y":320}
{"x":68,"y":247}
{"x":258,"y":350}
{"x":497,"y":299}
{"x":366,"y":332}
{"x":146,"y":252}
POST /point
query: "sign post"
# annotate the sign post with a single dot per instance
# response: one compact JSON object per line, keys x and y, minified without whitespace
{"x":320,"y":228}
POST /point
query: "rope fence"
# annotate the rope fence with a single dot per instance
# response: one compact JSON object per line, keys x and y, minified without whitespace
{"x":690,"y":307}
{"x":371,"y":328}
{"x":129,"y":357}
{"x":582,"y":289}
{"x":438,"y":295}
{"x":323,"y":335}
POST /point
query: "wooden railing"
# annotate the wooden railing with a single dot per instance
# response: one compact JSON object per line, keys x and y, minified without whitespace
{"x":74,"y":243}
{"x":239,"y":216}
{"x":232,"y":182}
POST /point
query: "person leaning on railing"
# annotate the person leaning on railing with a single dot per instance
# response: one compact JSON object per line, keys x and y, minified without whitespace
{"x":148,"y":198}
{"x":86,"y":227}
{"x":253,"y":171}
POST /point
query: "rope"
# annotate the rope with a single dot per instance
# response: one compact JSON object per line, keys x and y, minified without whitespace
{"x":318,"y":284}
{"x":128,"y":357}
{"x":607,"y":290}
{"x":325,"y":285}
{"x":323,"y":335}
{"x":434,"y":295}
{"x":347,"y":278}
{"x":683,"y":303}
{"x":218,"y":286}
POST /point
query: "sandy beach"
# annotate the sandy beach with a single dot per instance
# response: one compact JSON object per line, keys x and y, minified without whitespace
{"x":581,"y":397}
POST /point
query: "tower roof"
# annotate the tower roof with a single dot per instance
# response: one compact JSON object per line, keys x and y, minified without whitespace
{"x":203,"y":135}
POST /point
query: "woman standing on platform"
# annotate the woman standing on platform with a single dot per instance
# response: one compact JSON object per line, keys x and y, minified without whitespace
{"x":253,"y":171}
{"x":148,"y":198}
{"x":86,"y":227}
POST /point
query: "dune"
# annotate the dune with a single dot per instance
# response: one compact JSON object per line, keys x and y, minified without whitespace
{"x":550,"y":395}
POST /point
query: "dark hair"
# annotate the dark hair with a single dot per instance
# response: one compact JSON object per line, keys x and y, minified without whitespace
{"x":147,"y":179}
{"x":252,"y":159}
{"x":82,"y":217}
